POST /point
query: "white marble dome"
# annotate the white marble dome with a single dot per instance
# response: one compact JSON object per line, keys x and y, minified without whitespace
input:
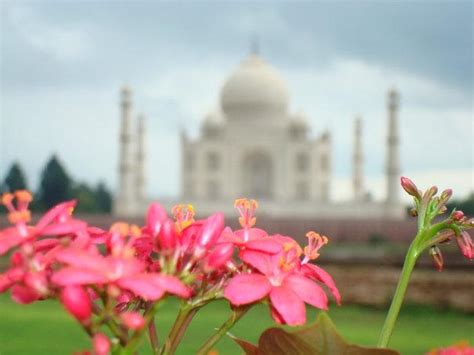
{"x":255,"y":90}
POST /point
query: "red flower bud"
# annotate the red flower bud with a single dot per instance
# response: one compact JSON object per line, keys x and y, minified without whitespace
{"x":410,"y":187}
{"x":466,"y":245}
{"x":167,"y":236}
{"x":219,"y":256}
{"x":155,"y":218}
{"x":132,"y":320}
{"x":76,"y":300}
{"x":211,"y":230}
{"x":101,"y":344}
{"x":458,"y":215}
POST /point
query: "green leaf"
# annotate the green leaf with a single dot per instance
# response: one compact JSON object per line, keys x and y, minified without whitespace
{"x":320,"y":338}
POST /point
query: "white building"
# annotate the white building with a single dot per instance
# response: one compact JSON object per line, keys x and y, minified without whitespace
{"x":254,"y":147}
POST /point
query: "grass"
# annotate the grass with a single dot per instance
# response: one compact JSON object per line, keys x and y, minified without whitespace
{"x":43,"y":328}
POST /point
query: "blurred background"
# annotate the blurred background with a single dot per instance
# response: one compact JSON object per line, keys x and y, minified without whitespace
{"x":118,"y":103}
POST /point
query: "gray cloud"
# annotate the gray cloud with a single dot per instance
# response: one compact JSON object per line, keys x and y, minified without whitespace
{"x":63,"y":63}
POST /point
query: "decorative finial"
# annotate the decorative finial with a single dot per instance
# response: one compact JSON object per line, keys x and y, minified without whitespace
{"x":254,"y":45}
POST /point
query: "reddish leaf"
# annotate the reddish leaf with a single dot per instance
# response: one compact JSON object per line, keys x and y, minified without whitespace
{"x":320,"y":338}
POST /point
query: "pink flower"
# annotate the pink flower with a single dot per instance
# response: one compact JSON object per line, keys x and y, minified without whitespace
{"x":287,"y":281}
{"x":132,"y":320}
{"x":101,"y":344}
{"x":86,"y":268}
{"x":57,"y":221}
{"x":77,"y":302}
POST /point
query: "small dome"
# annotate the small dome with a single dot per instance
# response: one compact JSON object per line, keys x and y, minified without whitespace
{"x":299,"y":120}
{"x":213,"y":119}
{"x":255,"y":89}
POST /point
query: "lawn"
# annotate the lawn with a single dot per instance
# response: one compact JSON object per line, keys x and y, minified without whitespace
{"x":43,"y":328}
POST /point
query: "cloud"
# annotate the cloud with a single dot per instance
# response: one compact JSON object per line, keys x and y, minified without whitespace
{"x":60,"y":42}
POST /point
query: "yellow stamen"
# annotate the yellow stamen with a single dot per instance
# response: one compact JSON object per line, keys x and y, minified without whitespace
{"x":7,"y":198}
{"x":121,"y":228}
{"x":19,"y":216}
{"x":23,"y":196}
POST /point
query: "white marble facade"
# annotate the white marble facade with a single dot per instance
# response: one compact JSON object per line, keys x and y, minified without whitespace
{"x":253,"y":146}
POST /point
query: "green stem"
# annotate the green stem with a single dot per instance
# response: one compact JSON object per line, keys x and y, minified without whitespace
{"x":155,"y":344}
{"x":397,"y":300}
{"x":224,"y":328}
{"x":138,"y":335}
{"x":185,"y":315}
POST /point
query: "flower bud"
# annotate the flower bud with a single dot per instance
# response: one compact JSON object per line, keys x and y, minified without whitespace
{"x":410,"y":187}
{"x":413,"y":212}
{"x":211,"y":230}
{"x":132,"y":320}
{"x":76,"y":300}
{"x":167,"y":237}
{"x":437,"y":257}
{"x":155,"y":218}
{"x":219,"y":256}
{"x":458,"y":215}
{"x":101,"y":344}
{"x":446,"y":195}
{"x":466,"y":245}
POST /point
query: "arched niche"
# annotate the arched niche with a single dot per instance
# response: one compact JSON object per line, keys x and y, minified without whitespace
{"x":258,"y":175}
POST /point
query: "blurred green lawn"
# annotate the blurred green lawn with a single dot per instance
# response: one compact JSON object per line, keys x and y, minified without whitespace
{"x":43,"y":328}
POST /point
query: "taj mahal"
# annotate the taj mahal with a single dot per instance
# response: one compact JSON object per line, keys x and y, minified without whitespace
{"x":254,"y":147}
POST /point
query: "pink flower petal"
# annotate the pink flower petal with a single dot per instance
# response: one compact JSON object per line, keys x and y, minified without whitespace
{"x":76,"y":276}
{"x":68,"y":227}
{"x":9,"y":238}
{"x":5,"y":282}
{"x":143,"y":286}
{"x":82,"y":259}
{"x":288,"y":305}
{"x":250,"y":234}
{"x":171,"y":284}
{"x":321,"y":275}
{"x":24,"y":295}
{"x":247,"y":288}
{"x":307,"y":290}
{"x":260,"y":261}
{"x":54,"y":212}
{"x":266,"y":245}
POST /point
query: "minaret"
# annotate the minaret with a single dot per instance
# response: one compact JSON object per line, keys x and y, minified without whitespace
{"x":393,"y":164}
{"x":140,"y":181}
{"x":125,"y":195}
{"x":357,"y":162}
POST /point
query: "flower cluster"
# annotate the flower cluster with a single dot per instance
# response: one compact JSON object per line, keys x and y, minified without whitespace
{"x":461,"y":348}
{"x":116,"y":278}
{"x":428,"y":207}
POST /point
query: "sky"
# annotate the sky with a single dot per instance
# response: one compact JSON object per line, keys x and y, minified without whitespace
{"x":63,"y":64}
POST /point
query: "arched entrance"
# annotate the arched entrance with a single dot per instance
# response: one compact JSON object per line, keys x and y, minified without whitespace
{"x":258,"y":176}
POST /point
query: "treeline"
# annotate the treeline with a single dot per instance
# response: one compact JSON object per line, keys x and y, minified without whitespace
{"x":55,"y":186}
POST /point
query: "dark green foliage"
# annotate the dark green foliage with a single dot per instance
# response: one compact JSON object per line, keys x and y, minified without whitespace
{"x":86,"y":201}
{"x":89,"y":200}
{"x":55,"y":185}
{"x":103,"y":198}
{"x":466,"y":205}
{"x":15,"y":179}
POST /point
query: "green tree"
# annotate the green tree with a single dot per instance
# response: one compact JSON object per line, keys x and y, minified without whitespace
{"x":15,"y":179}
{"x":86,"y":199}
{"x":466,"y":205}
{"x":55,"y":184}
{"x":103,"y":198}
